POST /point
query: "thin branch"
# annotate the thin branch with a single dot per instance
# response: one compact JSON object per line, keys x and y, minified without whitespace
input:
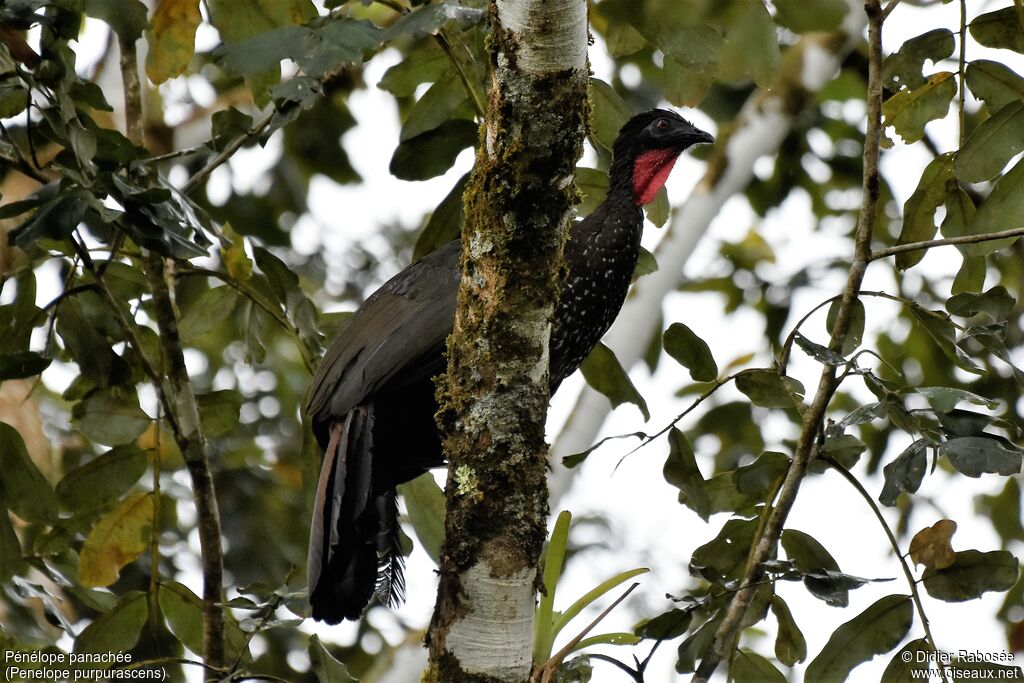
{"x":961,"y":65}
{"x":474,"y":97}
{"x":889,"y":8}
{"x":813,"y":420}
{"x":226,"y":153}
{"x":179,"y":397}
{"x":911,"y":581}
{"x":928,"y":244}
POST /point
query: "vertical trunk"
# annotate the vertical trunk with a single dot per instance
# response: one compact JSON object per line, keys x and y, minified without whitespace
{"x":494,"y":396}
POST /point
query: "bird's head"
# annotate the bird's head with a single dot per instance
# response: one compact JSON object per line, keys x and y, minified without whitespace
{"x":647,"y":148}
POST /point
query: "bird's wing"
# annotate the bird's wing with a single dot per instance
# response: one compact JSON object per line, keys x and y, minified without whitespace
{"x":401,"y":327}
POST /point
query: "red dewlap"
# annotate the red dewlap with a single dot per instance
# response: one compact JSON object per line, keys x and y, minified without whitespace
{"x":650,"y":171}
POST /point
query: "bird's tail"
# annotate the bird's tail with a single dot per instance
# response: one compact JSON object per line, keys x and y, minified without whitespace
{"x":354,"y":543}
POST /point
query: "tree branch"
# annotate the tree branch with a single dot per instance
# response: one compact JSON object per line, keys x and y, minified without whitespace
{"x":226,"y":153}
{"x":911,"y":581}
{"x":180,"y":398}
{"x":813,"y":418}
{"x":928,"y":244}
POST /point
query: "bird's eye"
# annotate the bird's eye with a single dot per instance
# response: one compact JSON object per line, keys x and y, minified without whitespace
{"x":662,"y":124}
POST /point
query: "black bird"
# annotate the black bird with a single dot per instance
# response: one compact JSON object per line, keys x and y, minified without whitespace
{"x":372,"y":399}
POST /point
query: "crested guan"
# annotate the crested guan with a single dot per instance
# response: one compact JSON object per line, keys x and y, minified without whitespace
{"x":372,"y":399}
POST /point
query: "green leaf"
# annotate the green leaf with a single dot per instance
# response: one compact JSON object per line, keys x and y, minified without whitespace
{"x":603,"y":372}
{"x":432,"y":153}
{"x":758,"y":477}
{"x":116,"y":539}
{"x":971,"y":276}
{"x":805,"y":552}
{"x":903,"y":68}
{"x":857,"y":322}
{"x":822,"y":354}
{"x":22,"y":364}
{"x":691,"y":352}
{"x":430,"y":19}
{"x":749,"y":667}
{"x":608,"y":112}
{"x":994,"y":83}
{"x":218,"y":411}
{"x":645,"y":265}
{"x":803,"y":16}
{"x":593,"y":185}
{"x":659,"y":209}
{"x":27,"y":492}
{"x":172,"y":39}
{"x":327,"y":668}
{"x":909,"y":110}
{"x":768,"y":389}
{"x":876,"y":630}
{"x":693,"y":647}
{"x":1003,"y":209}
{"x":997,"y":303}
{"x":444,"y":224}
{"x":623,"y":40}
{"x":843,"y":448}
{"x":573,"y":610}
{"x":937,"y":182}
{"x":790,"y":645}
{"x":975,"y":455}
{"x":183,"y":611}
{"x":117,"y":630}
{"x":111,"y":417}
{"x":910,"y":663}
{"x":972,"y":574}
{"x":665,"y":626}
{"x":552,"y":562}
{"x":750,"y":50}
{"x":424,"y":501}
{"x":686,"y":86}
{"x":425,"y":65}
{"x":126,"y":17}
{"x":102,"y":479}
{"x":682,"y":472}
{"x":213,"y":307}
{"x":724,"y":557}
{"x":943,"y":333}
{"x":905,"y":473}
{"x":445,"y":100}
{"x":999,"y":29}
{"x":992,"y":144}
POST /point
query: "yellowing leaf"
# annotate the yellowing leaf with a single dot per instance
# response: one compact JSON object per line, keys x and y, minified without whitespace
{"x":118,"y":537}
{"x":172,"y":39}
{"x":909,"y":110}
{"x":931,"y":546}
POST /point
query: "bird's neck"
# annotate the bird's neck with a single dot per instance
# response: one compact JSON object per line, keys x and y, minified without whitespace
{"x":638,"y":178}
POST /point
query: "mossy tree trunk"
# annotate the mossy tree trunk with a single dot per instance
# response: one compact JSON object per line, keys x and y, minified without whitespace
{"x":494,"y":397}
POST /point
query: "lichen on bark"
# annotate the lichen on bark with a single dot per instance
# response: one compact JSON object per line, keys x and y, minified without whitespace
{"x":494,"y":396}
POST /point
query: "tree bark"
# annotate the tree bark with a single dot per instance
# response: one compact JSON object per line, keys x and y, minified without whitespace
{"x":494,"y":396}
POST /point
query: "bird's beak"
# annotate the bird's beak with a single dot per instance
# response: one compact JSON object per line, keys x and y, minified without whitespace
{"x":699,"y":137}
